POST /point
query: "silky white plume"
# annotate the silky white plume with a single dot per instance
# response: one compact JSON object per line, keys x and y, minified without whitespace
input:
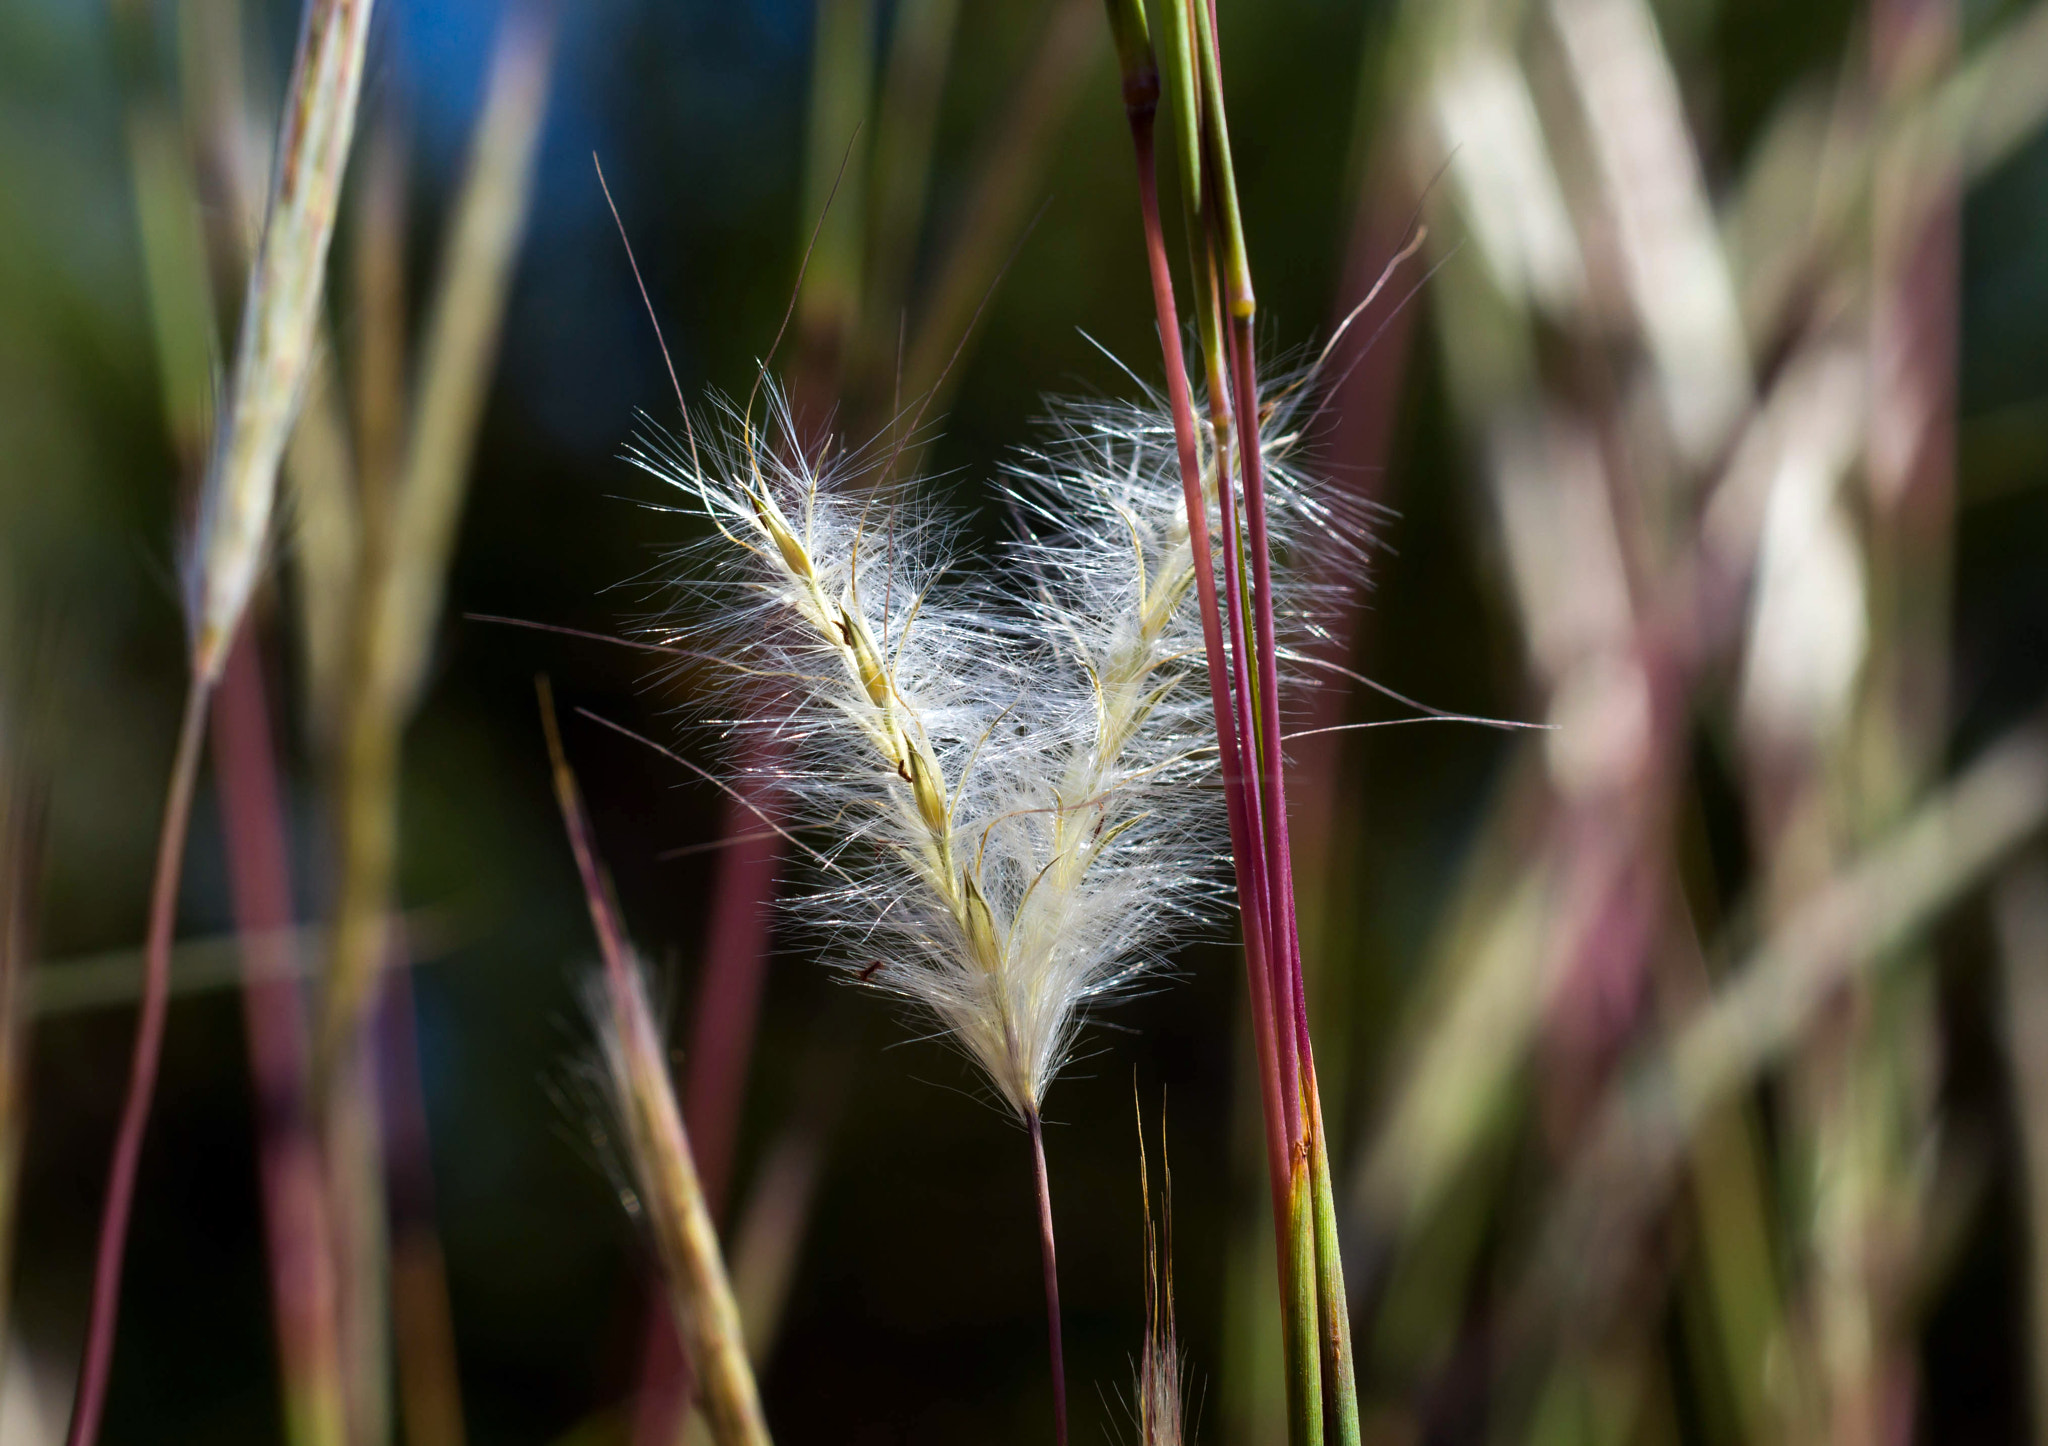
{"x":1000,"y":772}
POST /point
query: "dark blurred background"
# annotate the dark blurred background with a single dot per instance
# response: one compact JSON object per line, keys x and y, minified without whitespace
{"x":914,"y":1313}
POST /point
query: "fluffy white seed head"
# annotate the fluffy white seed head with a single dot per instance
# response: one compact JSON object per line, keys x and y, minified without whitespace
{"x":1000,"y":770}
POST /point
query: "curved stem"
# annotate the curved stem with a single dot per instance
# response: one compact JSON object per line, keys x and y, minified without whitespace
{"x":1052,"y":1281}
{"x":91,"y":1399}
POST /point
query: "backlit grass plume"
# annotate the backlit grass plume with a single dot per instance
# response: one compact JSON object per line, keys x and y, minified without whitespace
{"x":1005,"y":784}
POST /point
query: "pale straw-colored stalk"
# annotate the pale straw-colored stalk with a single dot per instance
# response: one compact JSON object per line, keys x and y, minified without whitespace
{"x":279,"y":322}
{"x":656,"y":1145}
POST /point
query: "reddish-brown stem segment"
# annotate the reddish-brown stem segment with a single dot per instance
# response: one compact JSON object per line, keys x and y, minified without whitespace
{"x":1052,"y":1280}
{"x":91,"y":1399}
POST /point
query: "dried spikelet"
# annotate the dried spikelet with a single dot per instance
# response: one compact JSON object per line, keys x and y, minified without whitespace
{"x":1162,"y":1405}
{"x":279,"y":316}
{"x":657,"y":1148}
{"x":1009,"y":791}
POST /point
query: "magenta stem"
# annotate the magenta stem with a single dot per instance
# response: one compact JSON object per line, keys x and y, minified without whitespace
{"x":90,"y":1402}
{"x":1052,"y":1281}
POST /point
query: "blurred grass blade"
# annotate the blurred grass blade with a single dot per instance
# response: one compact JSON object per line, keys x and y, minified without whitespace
{"x":459,"y":349}
{"x":1008,"y":165}
{"x":379,"y":373}
{"x":2022,"y":919}
{"x":828,"y":302}
{"x":326,"y":552}
{"x":403,"y":571}
{"x":906,"y":129}
{"x":297,"y":1235}
{"x":174,"y":262}
{"x":1669,"y":248}
{"x":1874,"y":906}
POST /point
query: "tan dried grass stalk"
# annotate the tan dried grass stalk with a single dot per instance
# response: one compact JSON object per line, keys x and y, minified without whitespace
{"x":657,"y":1146}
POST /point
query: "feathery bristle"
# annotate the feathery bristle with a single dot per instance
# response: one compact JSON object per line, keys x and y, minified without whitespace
{"x":1006,"y":783}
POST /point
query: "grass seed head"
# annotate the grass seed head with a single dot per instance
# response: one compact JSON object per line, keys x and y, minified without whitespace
{"x":1001,"y":766}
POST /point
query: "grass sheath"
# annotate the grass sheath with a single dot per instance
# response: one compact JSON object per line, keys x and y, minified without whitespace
{"x":89,"y":1405}
{"x":656,"y":1143}
{"x":1052,"y":1279}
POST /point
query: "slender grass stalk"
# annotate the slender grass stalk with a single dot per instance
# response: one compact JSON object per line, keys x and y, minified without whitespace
{"x":295,"y":1213}
{"x":1007,"y":166}
{"x":657,"y":1143}
{"x":405,"y":530}
{"x":400,"y":599}
{"x":1043,"y":1188}
{"x":97,"y":1365}
{"x":1340,"y":1368}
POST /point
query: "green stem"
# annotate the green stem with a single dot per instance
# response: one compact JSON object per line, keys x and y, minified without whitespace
{"x":1340,"y":1376}
{"x":1298,"y":1311}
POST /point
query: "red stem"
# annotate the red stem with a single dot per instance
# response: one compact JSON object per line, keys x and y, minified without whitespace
{"x":91,"y":1399}
{"x":1052,"y":1281}
{"x":302,"y":1281}
{"x":1260,"y":738}
{"x":1257,"y":971}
